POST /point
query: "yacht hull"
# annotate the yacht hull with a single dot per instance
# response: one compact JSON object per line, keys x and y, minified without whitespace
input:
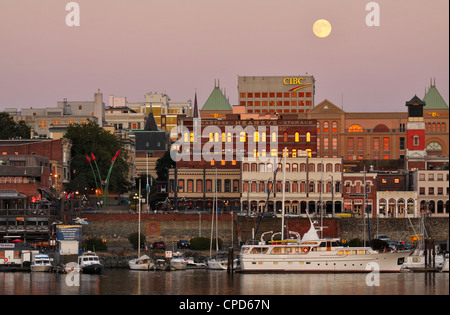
{"x":92,"y":269}
{"x":44,"y":268}
{"x":382,"y":262}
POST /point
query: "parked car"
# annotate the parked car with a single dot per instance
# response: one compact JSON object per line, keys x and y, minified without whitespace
{"x":158,"y":245}
{"x":183,"y":244}
{"x":382,"y":237}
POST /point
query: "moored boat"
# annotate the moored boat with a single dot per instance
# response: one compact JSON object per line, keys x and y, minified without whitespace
{"x":313,"y":254}
{"x":41,"y":263}
{"x":141,"y":263}
{"x":178,"y":261}
{"x":89,"y":263}
{"x":220,"y":262}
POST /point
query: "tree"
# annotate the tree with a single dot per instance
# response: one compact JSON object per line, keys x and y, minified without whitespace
{"x":163,"y":164}
{"x":92,"y":141}
{"x":11,"y":130}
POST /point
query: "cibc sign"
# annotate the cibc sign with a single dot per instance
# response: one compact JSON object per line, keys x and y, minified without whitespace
{"x":293,"y":81}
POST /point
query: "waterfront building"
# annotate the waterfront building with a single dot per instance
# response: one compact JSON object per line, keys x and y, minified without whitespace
{"x":51,"y":122}
{"x":196,"y":188}
{"x":432,"y":188}
{"x":356,"y":200}
{"x":276,"y":94}
{"x":150,"y":144}
{"x":312,"y":185}
{"x":17,"y":153}
{"x":165,"y":112}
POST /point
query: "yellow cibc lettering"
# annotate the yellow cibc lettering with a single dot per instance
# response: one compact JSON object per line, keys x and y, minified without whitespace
{"x":292,"y":81}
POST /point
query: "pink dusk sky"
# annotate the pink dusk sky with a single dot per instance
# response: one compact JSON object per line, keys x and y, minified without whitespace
{"x":128,"y":48}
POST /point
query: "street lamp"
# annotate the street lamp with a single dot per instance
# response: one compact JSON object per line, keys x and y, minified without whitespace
{"x":332,"y":195}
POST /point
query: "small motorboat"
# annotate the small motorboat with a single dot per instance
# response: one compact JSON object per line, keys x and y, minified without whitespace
{"x":41,"y":263}
{"x":142,"y":263}
{"x":89,"y":263}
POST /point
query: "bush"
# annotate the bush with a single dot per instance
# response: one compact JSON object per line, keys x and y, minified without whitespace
{"x":379,"y":244}
{"x":133,"y":239}
{"x":94,"y":244}
{"x":203,"y":243}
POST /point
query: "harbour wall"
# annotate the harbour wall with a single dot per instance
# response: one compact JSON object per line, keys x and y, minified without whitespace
{"x":115,"y":228}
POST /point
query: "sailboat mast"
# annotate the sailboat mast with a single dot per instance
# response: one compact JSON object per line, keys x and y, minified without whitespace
{"x":217,"y":217}
{"x":284,"y":194}
{"x":139,"y":220}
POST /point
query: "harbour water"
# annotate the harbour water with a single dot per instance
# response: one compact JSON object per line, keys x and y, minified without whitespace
{"x":207,"y":283}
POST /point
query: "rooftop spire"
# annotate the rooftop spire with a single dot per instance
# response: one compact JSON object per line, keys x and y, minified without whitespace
{"x":195,"y":113}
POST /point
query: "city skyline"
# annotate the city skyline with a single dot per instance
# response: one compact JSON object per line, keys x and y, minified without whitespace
{"x":179,"y":47}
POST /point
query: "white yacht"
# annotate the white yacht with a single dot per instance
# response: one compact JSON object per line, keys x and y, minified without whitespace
{"x":41,"y":263}
{"x":312,"y":254}
{"x":89,"y":263}
{"x":141,"y":263}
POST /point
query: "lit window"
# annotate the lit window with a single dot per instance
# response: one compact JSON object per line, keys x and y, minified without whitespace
{"x":297,"y":137}
{"x":256,"y":136}
{"x":242,"y":139}
{"x":355,"y":128}
{"x":308,"y":137}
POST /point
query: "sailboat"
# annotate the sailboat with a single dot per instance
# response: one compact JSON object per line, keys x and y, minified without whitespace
{"x":314,"y":254}
{"x":142,"y":262}
{"x":220,"y":261}
{"x":418,"y":257}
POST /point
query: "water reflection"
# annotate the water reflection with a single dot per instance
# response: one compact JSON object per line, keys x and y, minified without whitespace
{"x":204,"y":282}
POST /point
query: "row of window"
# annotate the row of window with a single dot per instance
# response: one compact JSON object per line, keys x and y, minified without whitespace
{"x":275,"y":103}
{"x":432,"y":177}
{"x":191,"y":185}
{"x":290,"y":187}
{"x":274,"y":94}
{"x":432,"y":190}
{"x":435,"y":127}
{"x":244,"y":137}
{"x":294,"y":167}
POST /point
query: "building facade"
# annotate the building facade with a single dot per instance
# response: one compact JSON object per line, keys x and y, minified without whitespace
{"x":276,"y":94}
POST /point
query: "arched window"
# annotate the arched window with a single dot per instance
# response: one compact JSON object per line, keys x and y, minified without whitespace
{"x":297,"y":137}
{"x":285,"y":137}
{"x":274,"y":137}
{"x":434,"y":149}
{"x":381,"y":128}
{"x":242,"y":138}
{"x":325,"y":127}
{"x":355,"y":128}
{"x":256,"y":136}
{"x":308,"y":137}
{"x":334,"y":128}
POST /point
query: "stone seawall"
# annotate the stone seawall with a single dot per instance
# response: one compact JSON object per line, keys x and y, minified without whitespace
{"x":115,"y":228}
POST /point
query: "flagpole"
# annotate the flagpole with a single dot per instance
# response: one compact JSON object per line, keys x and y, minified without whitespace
{"x":93,"y":172}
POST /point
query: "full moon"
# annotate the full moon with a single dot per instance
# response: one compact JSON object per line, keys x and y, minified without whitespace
{"x":322,"y":28}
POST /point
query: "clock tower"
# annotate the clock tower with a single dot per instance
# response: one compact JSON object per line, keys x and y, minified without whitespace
{"x":415,"y":135}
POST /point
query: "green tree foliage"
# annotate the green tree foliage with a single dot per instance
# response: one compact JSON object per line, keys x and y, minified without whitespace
{"x":203,"y":243}
{"x":162,"y":165}
{"x":88,"y":139}
{"x":133,"y":239}
{"x":12,"y":130}
{"x":94,"y":244}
